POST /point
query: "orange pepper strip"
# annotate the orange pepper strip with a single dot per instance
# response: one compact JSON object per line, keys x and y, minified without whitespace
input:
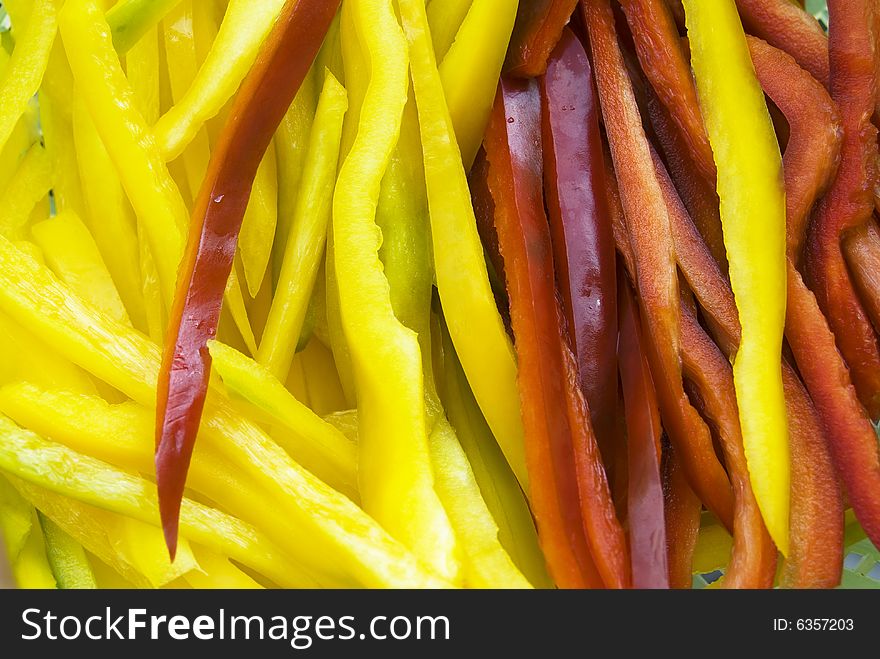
{"x":650,"y":235}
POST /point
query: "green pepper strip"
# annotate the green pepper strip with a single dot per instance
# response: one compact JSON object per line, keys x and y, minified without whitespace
{"x":129,"y":20}
{"x":66,"y":557}
{"x":308,"y":234}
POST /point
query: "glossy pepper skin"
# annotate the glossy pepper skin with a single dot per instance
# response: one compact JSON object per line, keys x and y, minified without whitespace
{"x":647,"y":223}
{"x":753,"y":218}
{"x":645,"y":503}
{"x":538,"y":26}
{"x":584,"y":545}
{"x":258,"y":109}
{"x":848,"y":205}
{"x":580,"y":226}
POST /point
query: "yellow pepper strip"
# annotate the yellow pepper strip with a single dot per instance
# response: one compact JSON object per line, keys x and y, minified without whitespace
{"x":67,"y":558}
{"x":395,"y":478}
{"x":122,"y":435}
{"x":445,"y":18}
{"x":142,"y":70}
{"x":307,"y":237}
{"x":291,"y":143}
{"x":182,"y":67}
{"x":22,"y":75}
{"x":243,"y":29}
{"x":331,"y":531}
{"x":752,"y":194}
{"x":258,"y":224}
{"x":469,"y":307}
{"x":24,"y":356}
{"x":216,"y":571}
{"x":126,"y":136}
{"x":154,"y":306}
{"x":311,"y":441}
{"x":498,"y":486}
{"x":132,"y":548}
{"x":129,"y":20}
{"x":71,"y":252}
{"x":23,"y":137}
{"x":322,"y":381}
{"x":24,"y":541}
{"x":57,"y":468}
{"x":713,"y":548}
{"x":470,"y":70}
{"x":113,"y":223}
{"x":29,"y":185}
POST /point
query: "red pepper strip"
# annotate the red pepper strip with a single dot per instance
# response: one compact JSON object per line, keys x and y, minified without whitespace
{"x":561,"y":451}
{"x":537,"y":29}
{"x":682,"y":521}
{"x":788,"y":27}
{"x":583,"y":245}
{"x":813,"y":150}
{"x":849,"y":202}
{"x":816,"y":508}
{"x":862,"y":250}
{"x":666,"y":66}
{"x":753,"y":557}
{"x":265,"y":94}
{"x":655,"y":269}
{"x":647,"y":526}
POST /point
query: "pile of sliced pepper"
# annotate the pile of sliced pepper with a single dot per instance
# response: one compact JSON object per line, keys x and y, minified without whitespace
{"x":457,"y":293}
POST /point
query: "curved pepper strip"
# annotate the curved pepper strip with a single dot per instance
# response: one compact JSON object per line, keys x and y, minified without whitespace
{"x":561,"y":449}
{"x":539,"y":24}
{"x":753,"y":218}
{"x":470,"y":70}
{"x":664,"y":63}
{"x":583,"y":244}
{"x":244,"y":28}
{"x":22,"y":75}
{"x":649,"y":232}
{"x":308,"y":233}
{"x":475,"y":325}
{"x":753,"y":555}
{"x":849,"y":202}
{"x":786,"y":26}
{"x":332,"y":533}
{"x":645,"y":503}
{"x":813,"y":151}
{"x":861,"y":248}
{"x":816,"y":505}
{"x":263,"y":99}
{"x":396,"y":481}
{"x":445,"y":19}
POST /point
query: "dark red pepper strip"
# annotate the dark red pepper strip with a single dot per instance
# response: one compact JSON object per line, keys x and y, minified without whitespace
{"x":849,"y":202}
{"x":580,"y":227}
{"x":812,"y":154}
{"x":788,"y":27}
{"x":537,"y":29}
{"x":649,"y":233}
{"x":816,"y":509}
{"x":666,"y":67}
{"x":263,"y":98}
{"x":753,"y":557}
{"x":561,"y":451}
{"x":645,"y":502}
